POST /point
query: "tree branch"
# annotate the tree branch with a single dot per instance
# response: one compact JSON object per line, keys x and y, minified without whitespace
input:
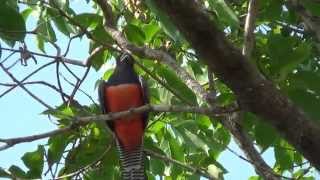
{"x":255,"y":93}
{"x":24,"y":88}
{"x":64,"y":59}
{"x":249,"y":28}
{"x":81,"y":121}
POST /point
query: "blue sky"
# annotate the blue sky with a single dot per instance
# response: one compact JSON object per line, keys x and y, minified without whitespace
{"x":21,"y":114}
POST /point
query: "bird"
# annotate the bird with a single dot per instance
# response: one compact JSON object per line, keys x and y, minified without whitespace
{"x":122,"y":91}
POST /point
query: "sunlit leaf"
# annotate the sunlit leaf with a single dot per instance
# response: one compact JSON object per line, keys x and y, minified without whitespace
{"x":34,"y":161}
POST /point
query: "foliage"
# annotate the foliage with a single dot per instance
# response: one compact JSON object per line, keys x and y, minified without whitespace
{"x":284,"y":52}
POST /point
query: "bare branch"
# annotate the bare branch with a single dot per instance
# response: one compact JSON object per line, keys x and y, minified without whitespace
{"x":78,"y":84}
{"x":37,"y":82}
{"x":74,"y":85}
{"x":24,"y":88}
{"x":58,"y":80}
{"x":64,"y":59}
{"x":27,"y":77}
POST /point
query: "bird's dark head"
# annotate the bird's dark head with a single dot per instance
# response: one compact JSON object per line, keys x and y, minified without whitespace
{"x":125,"y":60}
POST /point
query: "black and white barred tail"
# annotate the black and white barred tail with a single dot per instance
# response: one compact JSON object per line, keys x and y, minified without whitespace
{"x":132,"y":163}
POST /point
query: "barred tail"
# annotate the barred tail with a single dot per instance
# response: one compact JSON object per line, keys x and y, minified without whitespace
{"x":132,"y":163}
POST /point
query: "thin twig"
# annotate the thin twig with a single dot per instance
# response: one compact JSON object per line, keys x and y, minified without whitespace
{"x":78,"y":84}
{"x":82,"y":91}
{"x":24,"y":88}
{"x":66,"y":60}
{"x":24,"y":79}
{"x":37,"y":82}
{"x":58,"y":80}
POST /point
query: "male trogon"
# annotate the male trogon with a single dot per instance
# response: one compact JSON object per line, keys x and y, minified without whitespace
{"x":124,"y":90}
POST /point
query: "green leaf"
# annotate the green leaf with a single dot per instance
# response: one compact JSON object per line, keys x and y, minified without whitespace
{"x":176,"y":83}
{"x":134,"y":34}
{"x":198,"y":142}
{"x":62,"y":112}
{"x":157,"y":166}
{"x":272,"y":9}
{"x":284,"y":155}
{"x":34,"y":162}
{"x":165,"y":22}
{"x":312,"y":6}
{"x":196,"y":67}
{"x":224,"y":12}
{"x":150,"y":30}
{"x":4,"y":173}
{"x":57,"y":145}
{"x":88,"y":20}
{"x":17,"y":172}
{"x":61,"y":24}
{"x":40,"y":43}
{"x":88,"y":151}
{"x":25,"y":13}
{"x":255,"y":178}
{"x":305,"y":80}
{"x":299,"y":55}
{"x":265,"y":134}
{"x":12,"y":25}
{"x":98,"y":59}
{"x":45,"y":30}
{"x":107,"y":74}
{"x":308,"y":101}
{"x":100,"y":34}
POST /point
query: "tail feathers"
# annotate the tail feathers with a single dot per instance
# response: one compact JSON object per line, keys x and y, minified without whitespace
{"x":132,"y":163}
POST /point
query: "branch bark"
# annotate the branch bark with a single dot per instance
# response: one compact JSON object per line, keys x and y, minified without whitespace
{"x":255,"y":93}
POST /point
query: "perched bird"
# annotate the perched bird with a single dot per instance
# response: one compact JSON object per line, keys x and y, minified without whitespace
{"x":124,"y":90}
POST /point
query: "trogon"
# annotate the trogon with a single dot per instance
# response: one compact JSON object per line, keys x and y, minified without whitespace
{"x":124,"y":90}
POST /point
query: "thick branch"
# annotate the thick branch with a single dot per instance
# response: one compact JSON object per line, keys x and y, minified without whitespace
{"x":255,"y":93}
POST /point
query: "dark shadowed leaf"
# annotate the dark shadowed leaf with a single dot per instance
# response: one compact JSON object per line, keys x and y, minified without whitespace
{"x":177,"y":84}
{"x":12,"y":25}
{"x":57,"y":145}
{"x":224,"y":13}
{"x":4,"y":173}
{"x":17,"y":172}
{"x":165,"y":22}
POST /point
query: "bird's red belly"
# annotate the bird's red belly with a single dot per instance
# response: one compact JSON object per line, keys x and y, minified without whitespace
{"x":129,"y":130}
